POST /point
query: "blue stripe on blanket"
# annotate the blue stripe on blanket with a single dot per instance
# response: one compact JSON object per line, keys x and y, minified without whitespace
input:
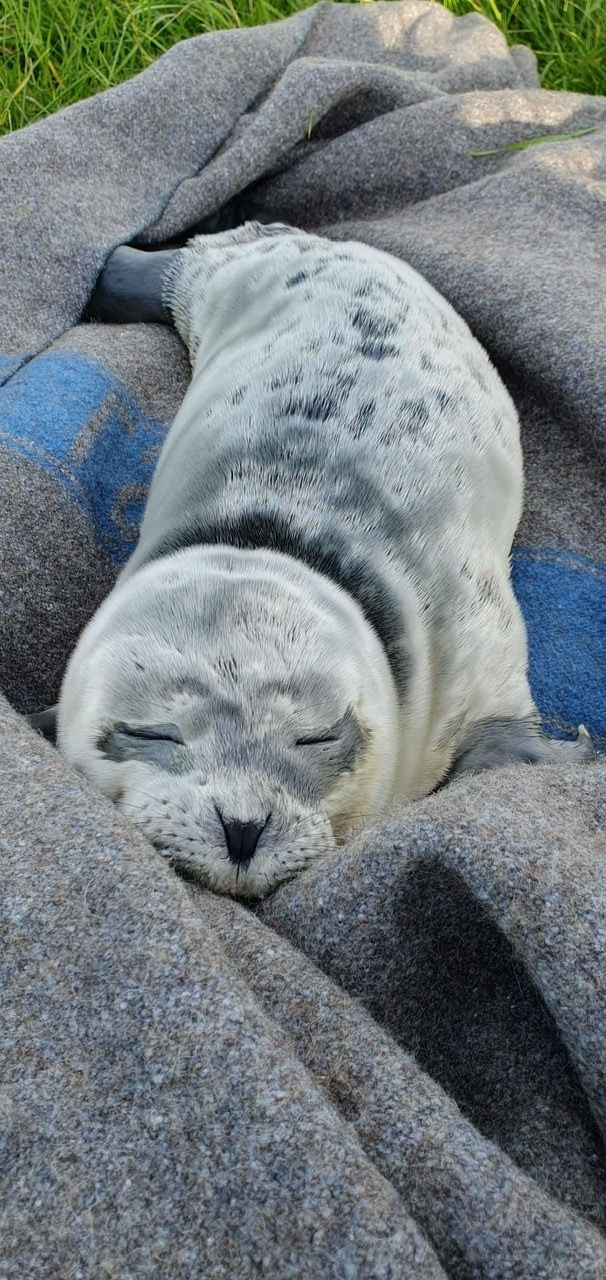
{"x":10,"y":364}
{"x":563,"y":599}
{"x":70,"y":415}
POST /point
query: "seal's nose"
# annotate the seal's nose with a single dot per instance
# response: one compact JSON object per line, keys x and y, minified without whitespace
{"x":241,"y":838}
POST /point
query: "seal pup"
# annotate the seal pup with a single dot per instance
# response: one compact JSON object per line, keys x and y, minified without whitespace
{"x":318,"y":617}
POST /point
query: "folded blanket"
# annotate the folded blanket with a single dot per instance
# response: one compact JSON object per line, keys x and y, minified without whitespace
{"x":396,"y":1065}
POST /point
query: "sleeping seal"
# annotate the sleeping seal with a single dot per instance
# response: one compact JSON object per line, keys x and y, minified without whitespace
{"x":318,"y":617}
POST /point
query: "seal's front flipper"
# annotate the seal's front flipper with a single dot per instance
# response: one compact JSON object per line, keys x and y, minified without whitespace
{"x":45,"y":722}
{"x":493,"y":743}
{"x":130,"y":287}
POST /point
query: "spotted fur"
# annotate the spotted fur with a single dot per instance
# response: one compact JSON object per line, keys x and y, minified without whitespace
{"x":320,"y":598}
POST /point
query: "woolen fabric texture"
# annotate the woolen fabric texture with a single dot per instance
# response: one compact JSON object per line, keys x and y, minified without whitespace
{"x":395,"y":1066}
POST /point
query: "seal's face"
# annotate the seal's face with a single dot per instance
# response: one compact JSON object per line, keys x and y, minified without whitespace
{"x":229,"y":717}
{"x":236,"y":788}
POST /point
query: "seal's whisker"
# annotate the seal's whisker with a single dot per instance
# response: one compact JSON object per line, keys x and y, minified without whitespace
{"x":136,"y":791}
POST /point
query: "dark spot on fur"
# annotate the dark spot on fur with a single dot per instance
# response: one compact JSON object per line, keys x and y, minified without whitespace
{"x":362,"y":418}
{"x":372,"y":326}
{"x":227,"y":667}
{"x":372,"y":349}
{"x":319,"y":268}
{"x":486,"y":591}
{"x":445,"y":400}
{"x":298,"y":278}
{"x":345,"y":381}
{"x":415,"y":415}
{"x":317,"y":408}
{"x":374,"y":292}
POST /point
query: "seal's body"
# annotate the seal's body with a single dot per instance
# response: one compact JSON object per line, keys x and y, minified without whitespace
{"x":318,"y":617}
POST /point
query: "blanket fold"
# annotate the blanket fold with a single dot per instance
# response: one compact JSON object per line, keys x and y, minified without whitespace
{"x":396,"y":1065}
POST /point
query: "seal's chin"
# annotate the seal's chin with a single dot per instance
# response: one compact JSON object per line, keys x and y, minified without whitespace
{"x":191,"y":839}
{"x":250,"y":882}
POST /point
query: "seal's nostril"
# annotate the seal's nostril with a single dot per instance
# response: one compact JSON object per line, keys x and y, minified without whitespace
{"x":241,"y":838}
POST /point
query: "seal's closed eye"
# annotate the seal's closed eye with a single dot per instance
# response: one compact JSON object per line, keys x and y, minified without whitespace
{"x":348,"y":732}
{"x":317,"y":740}
{"x":162,"y":732}
{"x":150,"y":743}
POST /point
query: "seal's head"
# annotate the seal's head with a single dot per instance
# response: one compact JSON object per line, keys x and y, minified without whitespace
{"x":238,"y":708}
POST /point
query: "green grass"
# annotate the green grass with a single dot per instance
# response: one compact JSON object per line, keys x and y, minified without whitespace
{"x":568,"y":37}
{"x":54,"y":52}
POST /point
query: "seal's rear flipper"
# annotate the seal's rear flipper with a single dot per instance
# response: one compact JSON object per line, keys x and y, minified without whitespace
{"x":493,"y":743}
{"x":45,"y":722}
{"x":130,"y":288}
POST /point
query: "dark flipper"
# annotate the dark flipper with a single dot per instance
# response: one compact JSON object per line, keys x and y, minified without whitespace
{"x":492,"y":743}
{"x":45,"y":722}
{"x":129,"y":289}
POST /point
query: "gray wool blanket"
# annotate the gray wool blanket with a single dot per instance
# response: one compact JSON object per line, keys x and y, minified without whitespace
{"x":395,"y":1066}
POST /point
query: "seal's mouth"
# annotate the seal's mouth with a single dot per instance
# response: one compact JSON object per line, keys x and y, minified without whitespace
{"x":247,"y":894}
{"x":249,"y":883}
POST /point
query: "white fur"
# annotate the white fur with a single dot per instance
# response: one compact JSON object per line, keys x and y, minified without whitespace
{"x":458,"y":479}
